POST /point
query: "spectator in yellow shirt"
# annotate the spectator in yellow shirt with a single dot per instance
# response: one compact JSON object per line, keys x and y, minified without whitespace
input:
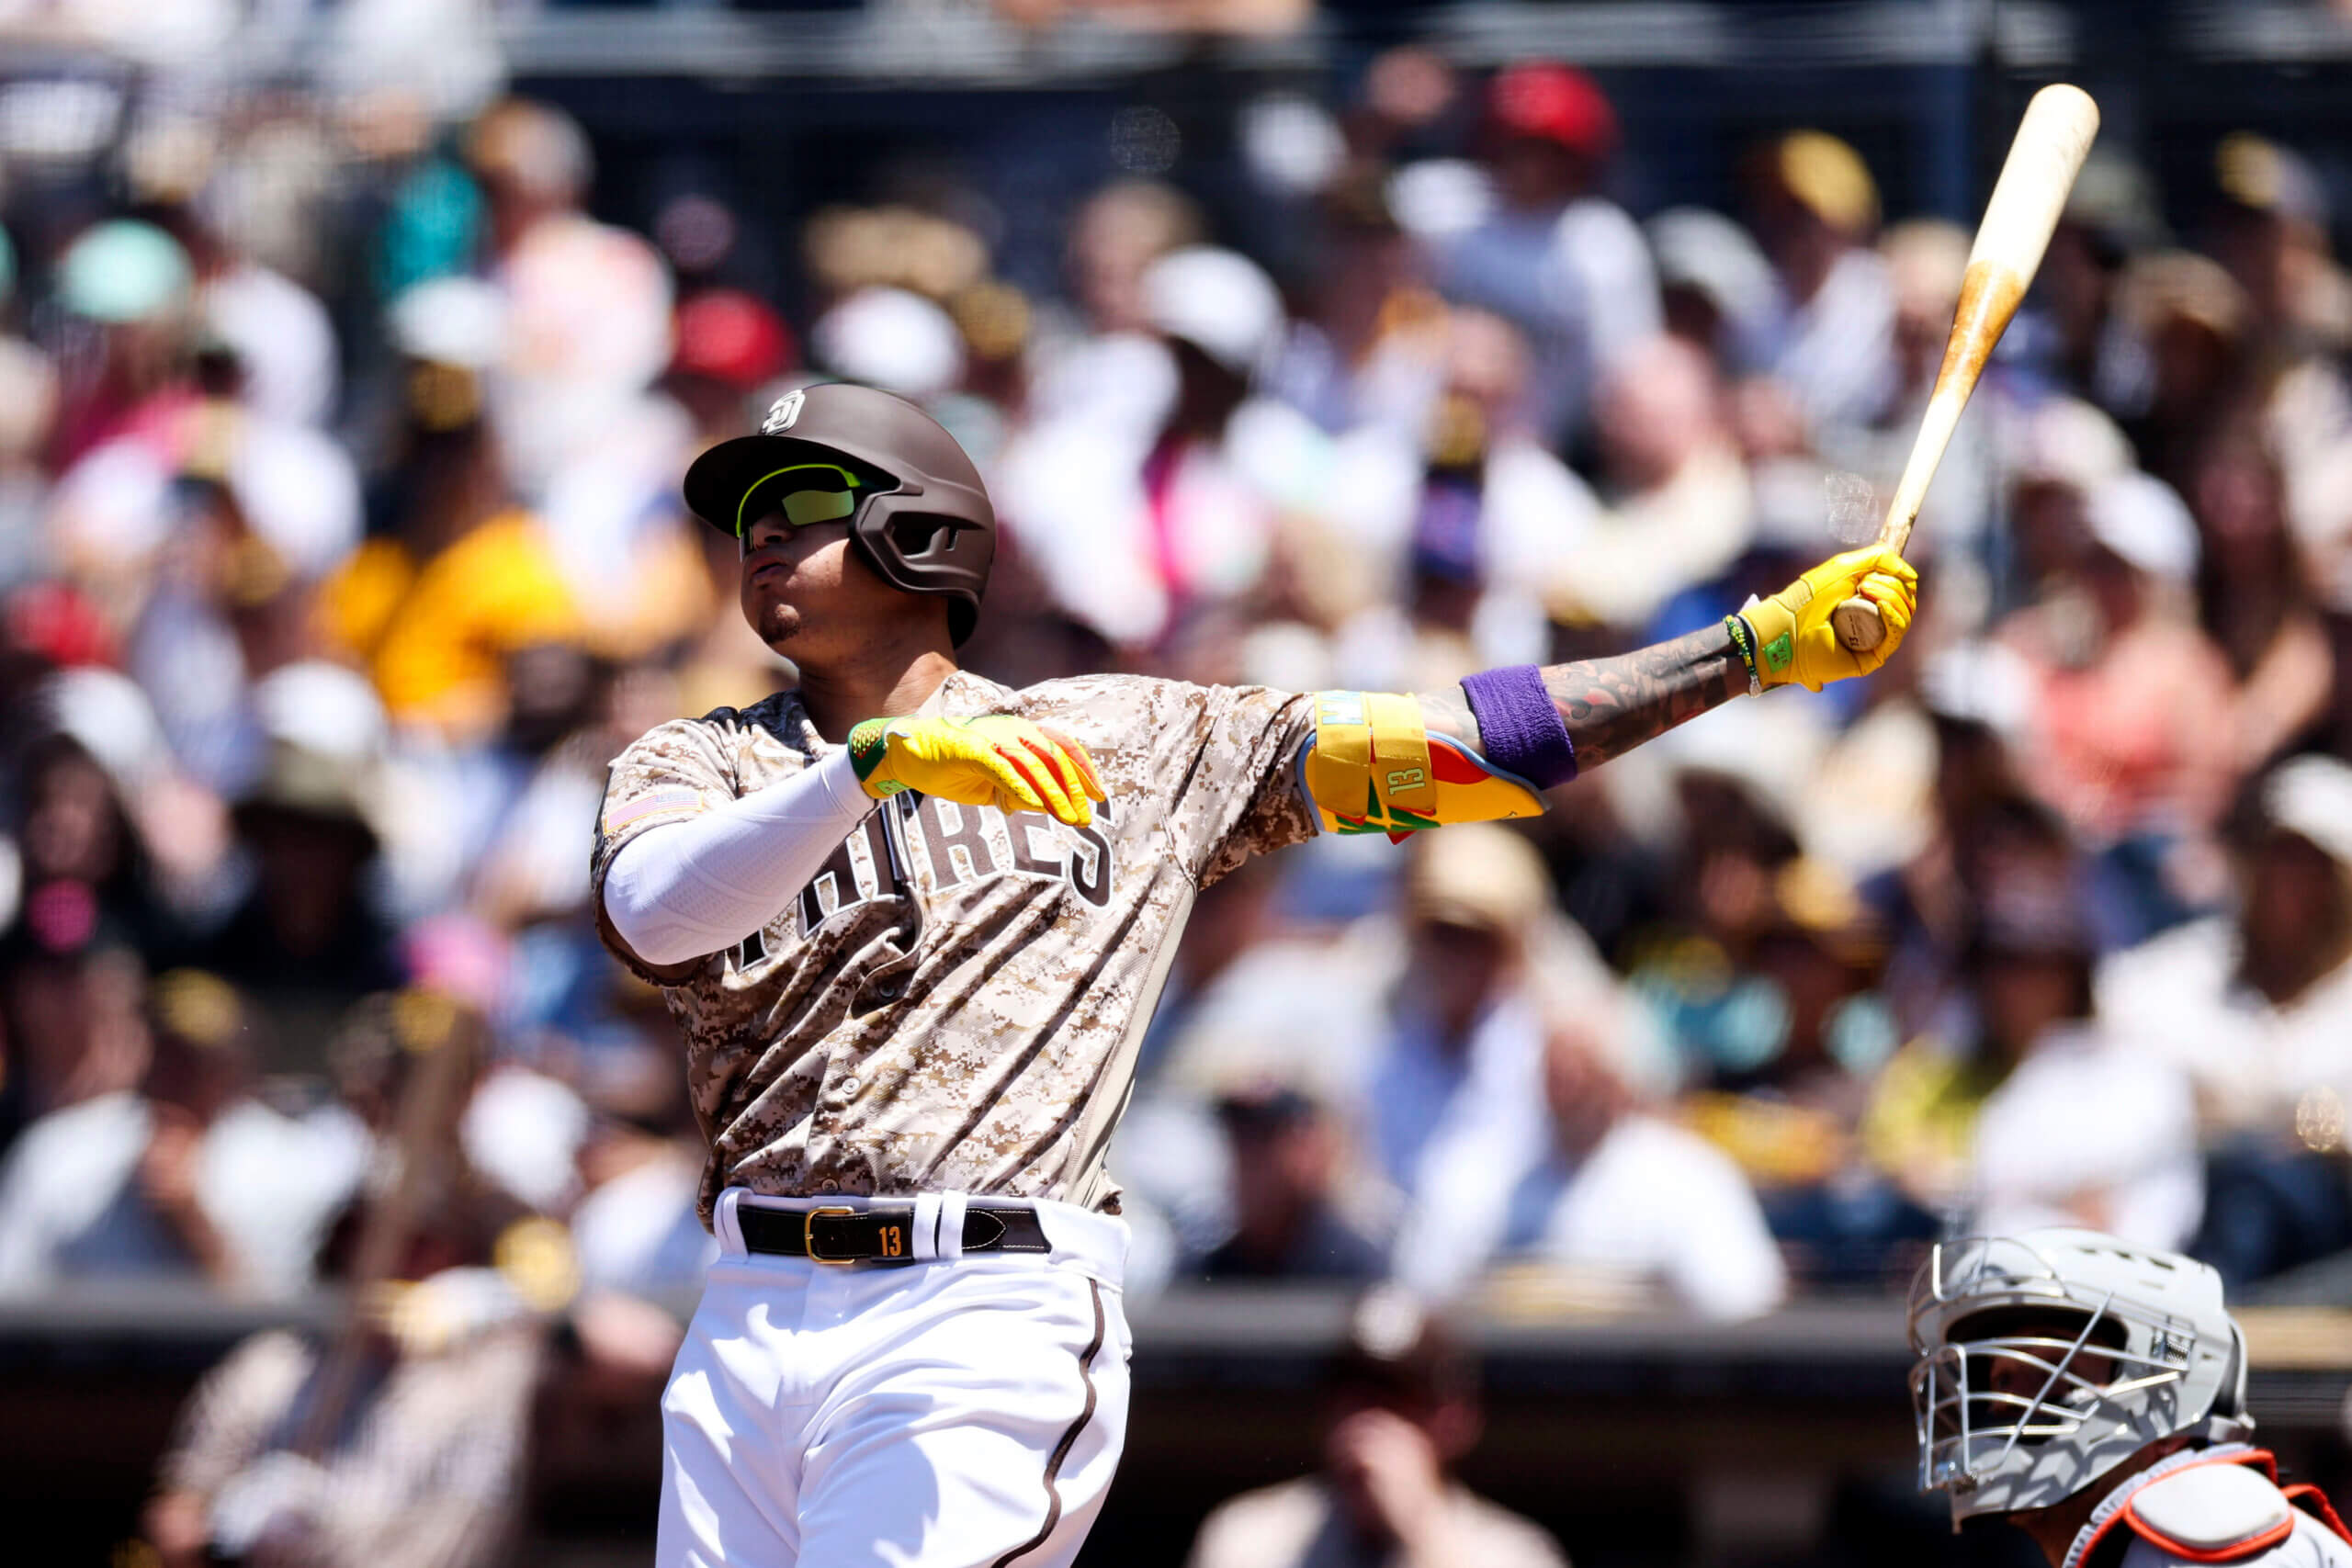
{"x":466,"y":579}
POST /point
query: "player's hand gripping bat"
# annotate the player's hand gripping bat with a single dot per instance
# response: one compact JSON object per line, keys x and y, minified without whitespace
{"x":2052,"y":142}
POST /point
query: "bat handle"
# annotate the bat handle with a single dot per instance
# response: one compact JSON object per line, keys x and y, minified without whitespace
{"x":1859,"y":626}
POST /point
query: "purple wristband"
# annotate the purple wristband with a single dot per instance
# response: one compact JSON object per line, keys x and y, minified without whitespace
{"x":1518,"y":729}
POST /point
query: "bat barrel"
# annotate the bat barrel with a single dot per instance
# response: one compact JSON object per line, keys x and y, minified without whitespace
{"x":2052,"y":142}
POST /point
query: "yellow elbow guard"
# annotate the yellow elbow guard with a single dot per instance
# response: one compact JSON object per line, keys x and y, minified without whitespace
{"x":1373,"y":768}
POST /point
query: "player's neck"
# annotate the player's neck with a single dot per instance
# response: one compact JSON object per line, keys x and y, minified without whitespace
{"x":881,"y":683}
{"x":2054,"y":1528}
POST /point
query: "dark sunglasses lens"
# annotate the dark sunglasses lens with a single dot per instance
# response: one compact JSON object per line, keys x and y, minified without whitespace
{"x":803,"y":507}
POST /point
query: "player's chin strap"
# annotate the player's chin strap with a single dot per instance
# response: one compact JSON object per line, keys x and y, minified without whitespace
{"x":1374,"y":767}
{"x":2218,"y":1429}
{"x":2229,"y":1423}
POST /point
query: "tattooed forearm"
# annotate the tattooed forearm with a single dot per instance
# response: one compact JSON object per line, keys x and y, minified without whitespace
{"x":1612,"y":705}
{"x":1448,"y":712}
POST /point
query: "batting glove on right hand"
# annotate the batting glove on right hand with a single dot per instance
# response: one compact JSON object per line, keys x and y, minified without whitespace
{"x":1794,"y":640}
{"x":998,"y":761}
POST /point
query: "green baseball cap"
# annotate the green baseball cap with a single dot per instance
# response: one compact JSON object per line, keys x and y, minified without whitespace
{"x":123,"y":270}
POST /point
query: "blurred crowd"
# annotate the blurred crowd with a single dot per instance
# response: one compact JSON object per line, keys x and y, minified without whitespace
{"x":2051,"y":922}
{"x":341,"y":548}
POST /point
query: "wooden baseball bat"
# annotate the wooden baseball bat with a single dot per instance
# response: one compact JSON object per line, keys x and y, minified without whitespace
{"x":2051,"y":145}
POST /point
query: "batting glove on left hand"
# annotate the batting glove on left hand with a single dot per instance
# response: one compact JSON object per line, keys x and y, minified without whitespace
{"x":1792,"y":639}
{"x":998,"y":761}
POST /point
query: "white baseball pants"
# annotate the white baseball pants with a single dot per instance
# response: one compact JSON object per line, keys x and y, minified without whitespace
{"x":955,"y":1412}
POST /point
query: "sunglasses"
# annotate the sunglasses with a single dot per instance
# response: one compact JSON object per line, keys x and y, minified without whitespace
{"x":816,"y":500}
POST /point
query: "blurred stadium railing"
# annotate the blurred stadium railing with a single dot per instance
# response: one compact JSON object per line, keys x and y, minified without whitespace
{"x":1636,"y":1435}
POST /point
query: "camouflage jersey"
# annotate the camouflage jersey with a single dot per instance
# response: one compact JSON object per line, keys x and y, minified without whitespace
{"x":954,"y":1002}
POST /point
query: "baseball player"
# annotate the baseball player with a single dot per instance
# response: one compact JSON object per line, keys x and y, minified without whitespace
{"x":2093,"y":1392}
{"x":913,"y":925}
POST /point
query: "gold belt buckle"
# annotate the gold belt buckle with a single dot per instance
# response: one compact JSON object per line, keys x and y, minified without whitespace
{"x":809,"y":1233}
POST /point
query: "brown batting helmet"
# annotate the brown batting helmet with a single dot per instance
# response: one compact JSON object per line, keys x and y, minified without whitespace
{"x":928,"y":530}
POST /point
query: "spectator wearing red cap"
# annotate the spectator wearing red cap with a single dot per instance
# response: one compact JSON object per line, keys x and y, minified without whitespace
{"x":729,"y":345}
{"x":1554,"y":256}
{"x":731,"y":339}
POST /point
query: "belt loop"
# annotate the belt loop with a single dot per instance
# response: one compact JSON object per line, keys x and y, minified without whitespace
{"x":950,"y":1243}
{"x":926,"y":1228}
{"x":730,"y":1228}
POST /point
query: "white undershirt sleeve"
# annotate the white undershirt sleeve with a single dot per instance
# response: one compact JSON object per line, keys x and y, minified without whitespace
{"x":688,"y":889}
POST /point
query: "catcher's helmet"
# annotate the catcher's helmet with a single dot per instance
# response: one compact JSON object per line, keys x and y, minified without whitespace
{"x":2049,"y":1359}
{"x":927,"y":528}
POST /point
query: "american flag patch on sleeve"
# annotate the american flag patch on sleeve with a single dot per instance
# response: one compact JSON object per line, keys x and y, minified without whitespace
{"x":661,"y":802}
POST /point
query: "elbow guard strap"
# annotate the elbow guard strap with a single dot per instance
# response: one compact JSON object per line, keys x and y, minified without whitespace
{"x":1373,"y":767}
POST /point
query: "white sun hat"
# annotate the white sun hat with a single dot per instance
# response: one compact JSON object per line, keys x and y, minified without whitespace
{"x":1218,"y":301}
{"x":2144,"y":520}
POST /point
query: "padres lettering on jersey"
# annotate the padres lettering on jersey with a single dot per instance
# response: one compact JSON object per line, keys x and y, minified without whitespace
{"x":953,"y":1001}
{"x":955,"y":843}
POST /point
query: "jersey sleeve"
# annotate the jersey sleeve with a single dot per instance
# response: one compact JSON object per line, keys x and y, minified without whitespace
{"x":1216,"y":765}
{"x":672,"y":772}
{"x":1234,"y":777}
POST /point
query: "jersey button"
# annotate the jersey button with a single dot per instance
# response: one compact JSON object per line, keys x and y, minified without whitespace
{"x":829,"y":1187}
{"x":848,"y":1087}
{"x":891,"y":988}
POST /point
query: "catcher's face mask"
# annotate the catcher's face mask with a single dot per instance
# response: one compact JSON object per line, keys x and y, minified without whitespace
{"x":2047,"y":1361}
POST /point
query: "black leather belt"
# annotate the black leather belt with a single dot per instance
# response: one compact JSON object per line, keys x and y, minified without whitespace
{"x":880,"y":1233}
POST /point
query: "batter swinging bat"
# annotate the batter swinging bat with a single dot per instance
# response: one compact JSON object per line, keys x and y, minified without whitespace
{"x":2052,"y":142}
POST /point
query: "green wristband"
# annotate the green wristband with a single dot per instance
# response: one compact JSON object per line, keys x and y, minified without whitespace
{"x":869,"y":742}
{"x":1745,"y":640}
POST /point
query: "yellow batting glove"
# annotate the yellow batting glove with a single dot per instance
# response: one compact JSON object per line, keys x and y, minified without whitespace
{"x":998,"y":761}
{"x":1790,"y":638}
